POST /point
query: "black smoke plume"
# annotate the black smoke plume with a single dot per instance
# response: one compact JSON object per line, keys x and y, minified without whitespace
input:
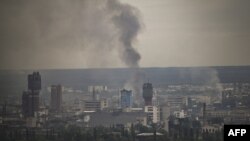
{"x":94,"y":33}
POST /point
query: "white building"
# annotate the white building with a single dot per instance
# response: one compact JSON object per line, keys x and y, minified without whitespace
{"x":97,"y":89}
{"x":180,"y":114}
{"x":104,"y":104}
{"x":153,"y":113}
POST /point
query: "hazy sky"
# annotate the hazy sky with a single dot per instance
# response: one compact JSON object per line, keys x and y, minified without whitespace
{"x":74,"y":34}
{"x":195,"y":33}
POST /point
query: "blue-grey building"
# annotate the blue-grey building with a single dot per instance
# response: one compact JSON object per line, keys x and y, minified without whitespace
{"x":126,"y":98}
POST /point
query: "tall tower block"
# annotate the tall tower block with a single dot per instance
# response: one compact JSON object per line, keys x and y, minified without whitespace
{"x":34,"y":81}
{"x":147,"y":93}
{"x":56,"y":98}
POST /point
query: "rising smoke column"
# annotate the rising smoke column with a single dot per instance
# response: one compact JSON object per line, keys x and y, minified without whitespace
{"x":94,"y":33}
{"x":126,"y":19}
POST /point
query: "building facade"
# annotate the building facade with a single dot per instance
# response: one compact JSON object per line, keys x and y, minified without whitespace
{"x":56,"y":98}
{"x":126,"y":98}
{"x":92,"y":105}
{"x":153,"y":114}
{"x":30,"y":98}
{"x":30,"y":103}
{"x":34,"y":81}
{"x":147,"y":93}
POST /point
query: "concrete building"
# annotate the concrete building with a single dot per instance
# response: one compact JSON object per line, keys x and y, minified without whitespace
{"x":147,"y":93}
{"x":149,"y":136}
{"x":180,"y":114}
{"x":92,"y":105}
{"x":104,"y":104}
{"x":211,"y":128}
{"x":176,"y":100}
{"x":155,"y":101}
{"x":56,"y":98}
{"x":108,"y":119}
{"x":153,"y":114}
{"x":97,"y":89}
{"x":30,"y":98}
{"x":34,"y":81}
{"x":165,"y":114}
{"x":30,"y":103}
{"x":184,"y":128}
{"x":126,"y":98}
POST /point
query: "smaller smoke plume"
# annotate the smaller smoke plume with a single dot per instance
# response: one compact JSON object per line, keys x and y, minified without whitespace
{"x":135,"y":84}
{"x":208,"y":77}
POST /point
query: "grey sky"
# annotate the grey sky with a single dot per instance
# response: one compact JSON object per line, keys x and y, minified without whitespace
{"x":37,"y":34}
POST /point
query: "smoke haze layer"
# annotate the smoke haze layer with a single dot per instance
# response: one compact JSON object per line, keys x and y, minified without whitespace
{"x":35,"y":32}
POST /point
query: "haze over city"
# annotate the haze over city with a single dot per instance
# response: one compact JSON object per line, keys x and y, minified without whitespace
{"x":124,"y":70}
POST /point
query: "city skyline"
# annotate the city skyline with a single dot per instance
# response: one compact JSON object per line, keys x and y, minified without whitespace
{"x":51,"y":35}
{"x":116,"y":70}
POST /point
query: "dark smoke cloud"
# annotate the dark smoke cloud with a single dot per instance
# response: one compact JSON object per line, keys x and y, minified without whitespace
{"x":51,"y":33}
{"x":38,"y":34}
{"x":127,"y":20}
{"x":128,"y":23}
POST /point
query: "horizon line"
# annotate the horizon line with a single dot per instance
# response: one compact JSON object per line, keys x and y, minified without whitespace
{"x":106,"y":68}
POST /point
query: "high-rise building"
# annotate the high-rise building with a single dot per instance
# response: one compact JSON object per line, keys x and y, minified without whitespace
{"x":147,"y":93}
{"x":56,"y":98}
{"x":126,"y":98}
{"x":25,"y":103}
{"x":30,"y":103}
{"x":30,"y":98}
{"x":34,"y":81}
